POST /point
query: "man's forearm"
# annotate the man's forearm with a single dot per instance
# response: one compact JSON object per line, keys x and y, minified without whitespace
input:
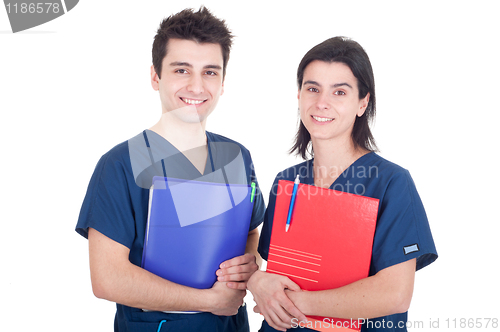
{"x":115,"y":279}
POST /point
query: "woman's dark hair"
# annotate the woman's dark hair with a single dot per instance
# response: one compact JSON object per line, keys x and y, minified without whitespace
{"x":350,"y":53}
{"x":200,"y":26}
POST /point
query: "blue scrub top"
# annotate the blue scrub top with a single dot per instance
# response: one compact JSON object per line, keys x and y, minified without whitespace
{"x":402,"y":232}
{"x":116,"y":205}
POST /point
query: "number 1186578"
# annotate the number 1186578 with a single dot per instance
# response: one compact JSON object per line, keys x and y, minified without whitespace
{"x":473,"y":323}
{"x":33,"y":8}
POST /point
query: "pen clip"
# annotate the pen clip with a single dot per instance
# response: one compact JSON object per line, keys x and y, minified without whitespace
{"x":253,"y":192}
{"x":292,"y":202}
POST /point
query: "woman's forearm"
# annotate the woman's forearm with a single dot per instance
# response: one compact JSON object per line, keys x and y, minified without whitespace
{"x":386,"y":293}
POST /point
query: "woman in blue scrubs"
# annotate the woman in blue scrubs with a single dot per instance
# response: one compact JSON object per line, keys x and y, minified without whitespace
{"x":337,"y":102}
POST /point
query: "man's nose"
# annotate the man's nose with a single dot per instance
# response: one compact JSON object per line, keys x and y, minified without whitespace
{"x":196,"y":85}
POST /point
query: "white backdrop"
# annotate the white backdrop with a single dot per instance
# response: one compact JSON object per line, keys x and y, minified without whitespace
{"x":73,"y":88}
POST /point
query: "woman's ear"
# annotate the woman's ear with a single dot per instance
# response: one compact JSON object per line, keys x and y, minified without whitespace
{"x":363,"y":104}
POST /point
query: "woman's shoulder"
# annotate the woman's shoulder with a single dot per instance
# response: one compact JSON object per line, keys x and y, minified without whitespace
{"x":303,"y":168}
{"x":385,"y":175}
{"x":373,"y":161}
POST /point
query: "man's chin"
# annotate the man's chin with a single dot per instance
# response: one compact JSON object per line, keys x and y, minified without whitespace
{"x":189,"y":114}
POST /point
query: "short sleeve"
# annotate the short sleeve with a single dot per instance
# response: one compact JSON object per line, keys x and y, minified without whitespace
{"x":259,"y":206}
{"x":107,"y":205}
{"x":402,"y":231}
{"x":265,"y":236}
{"x":258,"y":210}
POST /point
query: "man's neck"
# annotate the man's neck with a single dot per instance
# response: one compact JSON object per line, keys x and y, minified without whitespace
{"x":189,"y":138}
{"x":184,"y":136}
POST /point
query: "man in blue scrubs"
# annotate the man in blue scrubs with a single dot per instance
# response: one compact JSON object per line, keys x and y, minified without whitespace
{"x":190,"y":54}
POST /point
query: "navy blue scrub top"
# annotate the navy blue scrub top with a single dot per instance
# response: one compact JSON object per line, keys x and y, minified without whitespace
{"x":116,"y":205}
{"x":402,"y":232}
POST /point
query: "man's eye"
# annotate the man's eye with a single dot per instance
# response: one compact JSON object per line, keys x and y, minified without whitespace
{"x":211,"y":73}
{"x":181,"y":71}
{"x":339,"y":93}
{"x":312,"y":89}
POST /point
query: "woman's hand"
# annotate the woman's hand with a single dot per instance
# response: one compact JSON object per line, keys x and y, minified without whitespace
{"x":269,"y":295}
{"x":236,"y":271}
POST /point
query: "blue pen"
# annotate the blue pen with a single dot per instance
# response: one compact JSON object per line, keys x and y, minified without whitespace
{"x":292,"y":202}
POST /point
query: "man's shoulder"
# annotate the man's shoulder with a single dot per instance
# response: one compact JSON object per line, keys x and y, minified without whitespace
{"x":119,"y":152}
{"x":118,"y":157}
{"x":216,"y":138}
{"x":228,"y":145}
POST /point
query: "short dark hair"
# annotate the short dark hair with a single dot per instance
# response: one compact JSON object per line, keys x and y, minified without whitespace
{"x":200,"y":26}
{"x":350,"y":53}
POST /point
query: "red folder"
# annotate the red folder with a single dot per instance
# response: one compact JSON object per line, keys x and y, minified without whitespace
{"x":329,"y":242}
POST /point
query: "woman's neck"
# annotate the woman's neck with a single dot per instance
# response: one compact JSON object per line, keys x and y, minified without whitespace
{"x":331,"y":160}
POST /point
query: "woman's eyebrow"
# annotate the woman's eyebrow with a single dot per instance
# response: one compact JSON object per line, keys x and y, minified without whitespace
{"x":311,"y":82}
{"x":336,"y":85}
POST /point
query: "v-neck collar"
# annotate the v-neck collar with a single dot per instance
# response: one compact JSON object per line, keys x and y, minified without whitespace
{"x":209,"y":164}
{"x":343,"y":176}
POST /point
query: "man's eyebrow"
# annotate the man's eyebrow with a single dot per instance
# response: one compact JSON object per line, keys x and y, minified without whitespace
{"x":336,"y":85}
{"x":180,"y":64}
{"x":187,"y":64}
{"x":213,"y":67}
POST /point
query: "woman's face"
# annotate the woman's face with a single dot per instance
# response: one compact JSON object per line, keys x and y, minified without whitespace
{"x":329,"y":101}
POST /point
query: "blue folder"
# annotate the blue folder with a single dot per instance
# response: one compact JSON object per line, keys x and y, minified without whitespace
{"x":194,"y":226}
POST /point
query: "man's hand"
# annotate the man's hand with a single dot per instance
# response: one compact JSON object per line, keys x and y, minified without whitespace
{"x":269,"y":295}
{"x":236,"y":271}
{"x":226,"y":300}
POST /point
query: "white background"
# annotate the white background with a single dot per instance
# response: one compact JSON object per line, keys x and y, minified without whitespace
{"x":73,"y":88}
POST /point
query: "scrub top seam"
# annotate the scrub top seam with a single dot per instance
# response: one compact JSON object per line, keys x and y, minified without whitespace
{"x":96,"y":192}
{"x":407,"y":175}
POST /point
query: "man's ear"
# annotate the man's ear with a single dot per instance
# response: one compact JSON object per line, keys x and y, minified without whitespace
{"x":222,"y":90}
{"x":155,"y":80}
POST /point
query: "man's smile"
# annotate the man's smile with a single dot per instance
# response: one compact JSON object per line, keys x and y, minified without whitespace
{"x":193,"y":101}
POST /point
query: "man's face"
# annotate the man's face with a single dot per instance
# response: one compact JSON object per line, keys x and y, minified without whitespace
{"x":191,"y":79}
